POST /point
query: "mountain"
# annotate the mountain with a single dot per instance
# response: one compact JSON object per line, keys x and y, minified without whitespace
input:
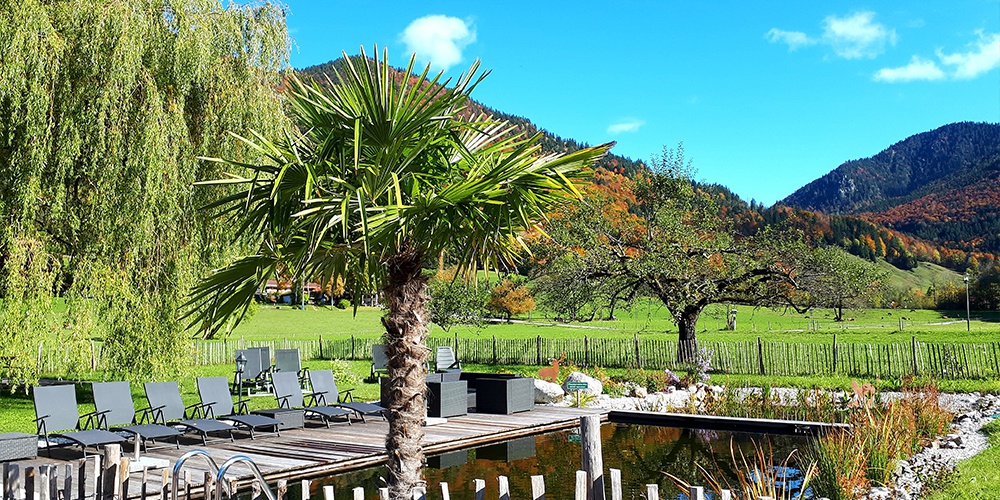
{"x":942,"y":186}
{"x":550,"y":143}
{"x":955,"y":155}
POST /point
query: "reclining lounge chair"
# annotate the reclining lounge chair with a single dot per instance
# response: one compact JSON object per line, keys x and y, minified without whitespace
{"x":324,"y":392}
{"x":167,"y":407}
{"x":445,"y":360}
{"x":216,"y":402}
{"x":55,"y":410}
{"x":380,"y":362}
{"x":289,"y":396}
{"x":116,"y":412}
{"x":289,"y":360}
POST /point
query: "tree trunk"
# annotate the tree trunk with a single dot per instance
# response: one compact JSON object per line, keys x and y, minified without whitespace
{"x":687,"y":341}
{"x":405,"y":332}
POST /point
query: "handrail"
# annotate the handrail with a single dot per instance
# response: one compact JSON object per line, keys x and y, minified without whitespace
{"x":253,"y":468}
{"x":180,"y":461}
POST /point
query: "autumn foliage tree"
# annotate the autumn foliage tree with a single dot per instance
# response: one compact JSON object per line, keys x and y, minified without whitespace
{"x":666,"y":239}
{"x":511,"y":297}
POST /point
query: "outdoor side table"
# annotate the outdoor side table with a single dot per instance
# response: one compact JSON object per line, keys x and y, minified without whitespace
{"x":17,"y":445}
{"x":447,"y":399}
{"x":289,"y":419}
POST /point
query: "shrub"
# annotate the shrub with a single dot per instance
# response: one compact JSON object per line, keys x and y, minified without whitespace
{"x":342,"y":304}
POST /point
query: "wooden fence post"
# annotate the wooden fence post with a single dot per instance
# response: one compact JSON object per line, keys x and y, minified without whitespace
{"x":110,"y":463}
{"x":638,"y":361}
{"x":652,"y":492}
{"x":359,"y":493}
{"x":479,"y":486}
{"x":835,"y":354}
{"x":913,"y":347}
{"x":592,"y":456}
{"x":580,"y":492}
{"x":328,"y":492}
{"x":760,"y":355}
{"x":503,"y":487}
{"x":537,"y":487}
{"x":616,"y":484}
{"x":282,"y":489}
{"x":538,"y":350}
{"x":445,"y":494}
{"x":305,"y":489}
{"x":586,"y":351}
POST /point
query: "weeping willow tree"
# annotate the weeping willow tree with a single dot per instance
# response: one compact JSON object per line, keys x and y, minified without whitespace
{"x":106,"y":106}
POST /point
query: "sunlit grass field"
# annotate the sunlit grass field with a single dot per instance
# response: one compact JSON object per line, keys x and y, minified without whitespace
{"x":648,"y":318}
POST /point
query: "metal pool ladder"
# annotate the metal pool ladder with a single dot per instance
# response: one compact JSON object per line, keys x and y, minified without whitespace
{"x":220,"y":472}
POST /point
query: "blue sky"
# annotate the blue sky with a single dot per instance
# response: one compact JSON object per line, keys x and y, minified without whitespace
{"x":766,"y":96}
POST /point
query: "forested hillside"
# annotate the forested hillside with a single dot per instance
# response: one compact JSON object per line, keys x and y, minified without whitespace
{"x":954,"y":155}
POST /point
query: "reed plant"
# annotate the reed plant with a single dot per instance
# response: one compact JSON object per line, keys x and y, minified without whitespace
{"x":757,"y":476}
{"x":882,"y":435}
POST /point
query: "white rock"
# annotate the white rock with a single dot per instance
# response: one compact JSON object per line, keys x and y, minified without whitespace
{"x":594,"y":386}
{"x":548,"y":392}
{"x":639,"y":392}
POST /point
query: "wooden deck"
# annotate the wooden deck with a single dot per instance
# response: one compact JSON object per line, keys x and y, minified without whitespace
{"x":319,"y":451}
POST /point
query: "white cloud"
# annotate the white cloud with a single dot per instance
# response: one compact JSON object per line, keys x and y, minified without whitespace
{"x":438,"y":39}
{"x":917,"y":69}
{"x":984,"y":56}
{"x":857,"y":36}
{"x":630,"y":125}
{"x":794,"y":39}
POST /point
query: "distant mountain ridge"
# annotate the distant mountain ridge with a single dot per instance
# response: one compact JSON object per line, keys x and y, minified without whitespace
{"x":942,"y":186}
{"x":953,"y":155}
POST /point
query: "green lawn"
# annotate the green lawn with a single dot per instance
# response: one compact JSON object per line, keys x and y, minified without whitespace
{"x":977,"y":478}
{"x":648,"y":318}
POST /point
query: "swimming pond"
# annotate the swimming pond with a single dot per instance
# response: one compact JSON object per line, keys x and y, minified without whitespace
{"x":643,"y":453}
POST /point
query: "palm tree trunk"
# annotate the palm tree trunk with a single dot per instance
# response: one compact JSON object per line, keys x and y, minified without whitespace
{"x":405,"y":298}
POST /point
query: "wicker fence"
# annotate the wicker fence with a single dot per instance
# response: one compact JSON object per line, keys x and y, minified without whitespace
{"x":940,"y":360}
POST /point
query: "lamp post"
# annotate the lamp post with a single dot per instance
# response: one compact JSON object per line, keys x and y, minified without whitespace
{"x":241,"y":363}
{"x":968,"y":325}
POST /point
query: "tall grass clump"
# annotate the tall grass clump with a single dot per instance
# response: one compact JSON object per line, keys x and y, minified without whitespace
{"x":757,"y":476}
{"x":851,"y":461}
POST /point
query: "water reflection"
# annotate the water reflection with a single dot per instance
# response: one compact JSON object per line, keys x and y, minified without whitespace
{"x":640,"y":452}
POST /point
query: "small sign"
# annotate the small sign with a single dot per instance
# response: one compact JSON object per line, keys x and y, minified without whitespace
{"x":574,"y":438}
{"x":577,"y":386}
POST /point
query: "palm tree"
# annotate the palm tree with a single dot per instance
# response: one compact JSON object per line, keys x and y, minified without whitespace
{"x":381,"y":175}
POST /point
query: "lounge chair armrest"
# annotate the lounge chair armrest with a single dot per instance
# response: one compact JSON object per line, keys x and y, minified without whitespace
{"x":282,"y":401}
{"x":348,"y":396}
{"x":93,"y":419}
{"x":241,"y":406}
{"x":198,"y":410}
{"x":143,"y":415}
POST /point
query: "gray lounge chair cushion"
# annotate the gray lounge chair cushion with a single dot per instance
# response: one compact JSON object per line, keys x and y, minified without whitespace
{"x":113,"y":401}
{"x":214,"y":393}
{"x":289,"y":395}
{"x":165,"y":401}
{"x":56,"y":408}
{"x":325,"y":391}
{"x":287,"y":360}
